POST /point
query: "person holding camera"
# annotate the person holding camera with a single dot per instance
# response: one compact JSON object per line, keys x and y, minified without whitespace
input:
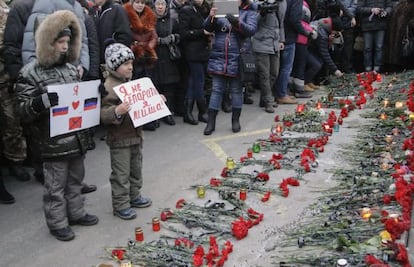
{"x":231,"y":37}
{"x":266,"y":44}
{"x":374,"y":20}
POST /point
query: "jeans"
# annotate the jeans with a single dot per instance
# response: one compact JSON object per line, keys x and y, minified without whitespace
{"x":314,"y":65}
{"x":195,"y":89}
{"x":267,"y":69}
{"x":373,"y":44}
{"x":220,"y":84}
{"x":286,"y":64}
{"x":299,"y":63}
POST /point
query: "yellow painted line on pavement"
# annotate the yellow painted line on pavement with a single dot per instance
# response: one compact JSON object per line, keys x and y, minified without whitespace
{"x":212,"y":143}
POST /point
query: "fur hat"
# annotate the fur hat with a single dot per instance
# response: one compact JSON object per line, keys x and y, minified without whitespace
{"x":117,"y":54}
{"x":50,"y":29}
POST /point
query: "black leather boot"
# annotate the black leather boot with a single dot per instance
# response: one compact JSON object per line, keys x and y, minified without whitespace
{"x":188,"y":115}
{"x":235,"y":123}
{"x":5,"y":196}
{"x":211,"y":123}
{"x":246,"y":97}
{"x":226,"y":103}
{"x":202,"y":110}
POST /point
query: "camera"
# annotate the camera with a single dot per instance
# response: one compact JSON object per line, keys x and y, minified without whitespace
{"x":268,"y":6}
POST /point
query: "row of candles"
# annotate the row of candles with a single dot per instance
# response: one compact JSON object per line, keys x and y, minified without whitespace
{"x":139,"y":232}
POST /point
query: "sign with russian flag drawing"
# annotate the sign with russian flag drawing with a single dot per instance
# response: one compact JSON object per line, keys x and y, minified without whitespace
{"x":78,"y":108}
{"x":144,"y":99}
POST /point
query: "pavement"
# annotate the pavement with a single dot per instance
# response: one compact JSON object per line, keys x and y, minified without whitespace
{"x":175,"y":157}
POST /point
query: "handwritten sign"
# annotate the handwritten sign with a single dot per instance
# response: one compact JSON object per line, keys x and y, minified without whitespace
{"x":226,"y":6}
{"x":146,"y":103}
{"x":78,"y":108}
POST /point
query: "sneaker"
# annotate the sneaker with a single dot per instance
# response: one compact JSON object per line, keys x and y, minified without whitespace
{"x":141,"y":202}
{"x":303,"y":95}
{"x":287,"y":100}
{"x":126,"y":214}
{"x":88,"y":188}
{"x":64,"y":234}
{"x":86,"y":220}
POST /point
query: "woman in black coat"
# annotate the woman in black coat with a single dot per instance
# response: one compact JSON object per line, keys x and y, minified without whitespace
{"x":165,"y":74}
{"x":195,"y":44}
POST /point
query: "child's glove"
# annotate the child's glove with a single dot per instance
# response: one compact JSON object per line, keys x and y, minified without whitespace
{"x":45,"y":101}
{"x":232,"y":19}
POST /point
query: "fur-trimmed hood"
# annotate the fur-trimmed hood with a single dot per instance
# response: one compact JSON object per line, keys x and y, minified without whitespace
{"x":46,"y":35}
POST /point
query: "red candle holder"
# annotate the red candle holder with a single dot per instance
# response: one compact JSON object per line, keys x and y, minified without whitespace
{"x":318,"y":105}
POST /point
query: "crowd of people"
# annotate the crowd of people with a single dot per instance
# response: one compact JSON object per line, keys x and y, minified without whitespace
{"x":190,"y":49}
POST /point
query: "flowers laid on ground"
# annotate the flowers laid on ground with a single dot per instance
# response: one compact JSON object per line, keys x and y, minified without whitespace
{"x":362,"y":219}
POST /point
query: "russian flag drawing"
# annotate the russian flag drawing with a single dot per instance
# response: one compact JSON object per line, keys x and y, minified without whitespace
{"x":90,"y":103}
{"x":60,"y":111}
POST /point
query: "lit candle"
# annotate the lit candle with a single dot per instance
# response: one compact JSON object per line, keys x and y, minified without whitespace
{"x":399,"y":105}
{"x":411,"y":116}
{"x":300,"y":108}
{"x":383,"y":116}
{"x":386,"y":102}
{"x":279,"y":129}
{"x":318,"y":105}
{"x":366,"y":213}
{"x":388,"y":138}
{"x":394,"y":216}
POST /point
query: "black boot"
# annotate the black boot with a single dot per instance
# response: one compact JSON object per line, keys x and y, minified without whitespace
{"x":211,"y":123}
{"x":226,"y":103}
{"x":19,"y":172}
{"x":235,"y":123}
{"x":202,"y":110}
{"x":246,"y":97}
{"x":5,"y":196}
{"x":169,"y":120}
{"x":188,"y":115}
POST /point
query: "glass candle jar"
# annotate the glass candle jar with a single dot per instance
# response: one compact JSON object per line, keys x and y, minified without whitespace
{"x":201,"y":191}
{"x":243,"y":194}
{"x":139,"y":234}
{"x":230,"y":163}
{"x":249,"y":153}
{"x":256,"y":147}
{"x":156,"y":224}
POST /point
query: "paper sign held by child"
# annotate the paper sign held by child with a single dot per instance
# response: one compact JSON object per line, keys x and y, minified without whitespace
{"x":79,"y":107}
{"x":144,"y":99}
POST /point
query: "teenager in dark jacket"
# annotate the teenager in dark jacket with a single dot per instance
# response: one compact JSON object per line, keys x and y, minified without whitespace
{"x":231,"y":34}
{"x":58,"y":42}
{"x":111,"y":23}
{"x":195,"y":44}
